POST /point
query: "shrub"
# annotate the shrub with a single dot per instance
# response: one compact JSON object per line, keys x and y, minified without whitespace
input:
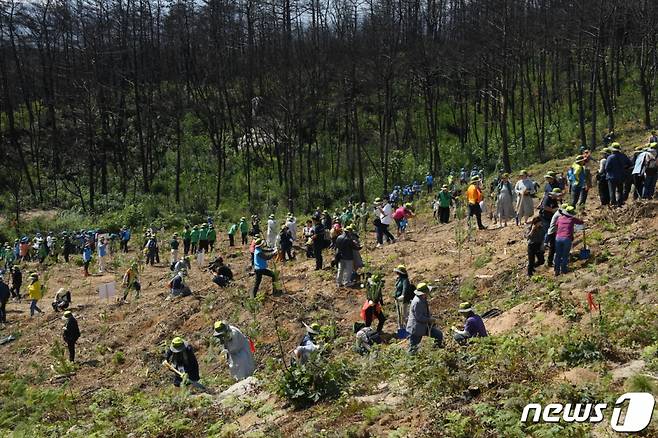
{"x":580,"y":351}
{"x":316,"y":380}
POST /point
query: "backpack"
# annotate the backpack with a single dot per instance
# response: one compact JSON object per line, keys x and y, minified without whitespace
{"x":651,"y":162}
{"x":410,"y":293}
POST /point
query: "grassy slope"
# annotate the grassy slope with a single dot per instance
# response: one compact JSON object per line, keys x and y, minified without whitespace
{"x":536,"y":353}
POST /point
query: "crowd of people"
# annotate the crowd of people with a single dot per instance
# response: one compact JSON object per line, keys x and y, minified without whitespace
{"x":549,"y":213}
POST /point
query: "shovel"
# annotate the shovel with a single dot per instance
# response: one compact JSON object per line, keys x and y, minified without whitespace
{"x":193,"y":383}
{"x":585,"y":253}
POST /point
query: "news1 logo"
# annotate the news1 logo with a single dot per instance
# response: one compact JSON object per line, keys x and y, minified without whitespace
{"x":636,"y":418}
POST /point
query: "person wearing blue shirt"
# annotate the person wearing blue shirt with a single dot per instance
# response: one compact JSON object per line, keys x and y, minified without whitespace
{"x":102,"y":252}
{"x":261,"y":255}
{"x":125,"y":237}
{"x":86,"y":258}
{"x":429,"y":181}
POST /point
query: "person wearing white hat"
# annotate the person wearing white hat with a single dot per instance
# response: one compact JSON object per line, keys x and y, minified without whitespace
{"x":62,"y":300}
{"x":308,"y":344}
{"x":271,"y":232}
{"x":473,"y":325}
{"x":421,"y":322}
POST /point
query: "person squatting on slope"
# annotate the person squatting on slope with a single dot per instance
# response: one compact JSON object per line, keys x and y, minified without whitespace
{"x":473,"y":325}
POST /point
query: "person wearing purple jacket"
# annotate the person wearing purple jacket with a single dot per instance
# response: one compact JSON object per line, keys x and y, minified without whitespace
{"x":564,"y":238}
{"x":473,"y":326}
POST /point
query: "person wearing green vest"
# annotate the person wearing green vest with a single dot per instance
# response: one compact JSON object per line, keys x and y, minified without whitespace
{"x":231,"y":234}
{"x":445,"y":200}
{"x":187,"y":239}
{"x":212,"y":237}
{"x":194,"y":239}
{"x":244,"y":230}
{"x":203,"y":238}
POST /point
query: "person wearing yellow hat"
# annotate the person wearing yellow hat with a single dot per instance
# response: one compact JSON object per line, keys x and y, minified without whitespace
{"x":421,"y":322}
{"x":71,"y":333}
{"x":404,"y":293}
{"x":180,"y":358}
{"x":564,"y":235}
{"x":238,"y":349}
{"x":473,"y":325}
{"x":475,"y":198}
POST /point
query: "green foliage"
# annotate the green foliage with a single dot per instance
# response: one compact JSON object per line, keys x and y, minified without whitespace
{"x":119,"y":358}
{"x":580,"y":351}
{"x":317,"y":380}
{"x":641,"y":383}
{"x":61,"y":365}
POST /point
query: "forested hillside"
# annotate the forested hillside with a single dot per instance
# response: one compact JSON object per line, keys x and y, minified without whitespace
{"x":234,"y":104}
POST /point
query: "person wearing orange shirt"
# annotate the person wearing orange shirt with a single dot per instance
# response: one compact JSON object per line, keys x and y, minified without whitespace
{"x":474,"y":197}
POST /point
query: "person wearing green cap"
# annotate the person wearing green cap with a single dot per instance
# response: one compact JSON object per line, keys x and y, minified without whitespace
{"x":238,"y":349}
{"x":473,"y":325}
{"x":244,"y":230}
{"x":212,"y":237}
{"x":180,"y":356}
{"x":564,"y":235}
{"x":231,"y":234}
{"x":421,"y":322}
{"x":194,"y":239}
{"x":130,"y":281}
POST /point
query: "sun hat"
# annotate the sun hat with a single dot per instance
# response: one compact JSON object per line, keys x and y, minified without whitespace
{"x":177,"y":345}
{"x":465,"y":307}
